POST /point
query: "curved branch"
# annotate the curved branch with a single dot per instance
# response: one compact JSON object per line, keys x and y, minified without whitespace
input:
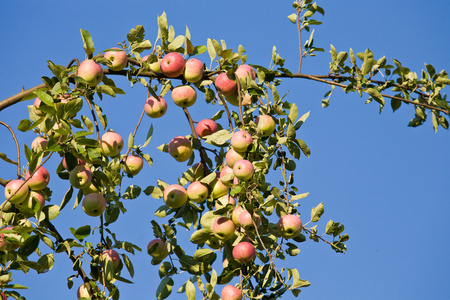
{"x":17,"y":146}
{"x":19,"y":96}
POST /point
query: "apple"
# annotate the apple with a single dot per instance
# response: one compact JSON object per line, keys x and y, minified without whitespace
{"x":197,"y":192}
{"x":244,"y":252}
{"x":112,"y":256}
{"x":230,"y":292}
{"x":36,"y":104}
{"x":233,"y":99}
{"x":84,"y":291}
{"x":118,"y":60}
{"x":265,"y":124}
{"x":155,"y":108}
{"x":206,"y":127}
{"x":172,"y":64}
{"x":245,"y":70}
{"x":225,"y":85}
{"x":160,"y":252}
{"x":224,"y":201}
{"x":80,"y":177}
{"x":133,"y":165}
{"x":236,"y":213}
{"x":289,"y":226}
{"x":218,"y":189}
{"x":246,"y":221}
{"x":184,"y":95}
{"x":240,"y":140}
{"x":193,"y":70}
{"x":243,"y":169}
{"x":33,"y":198}
{"x":175,"y":196}
{"x":39,"y":144}
{"x":94,"y":204}
{"x":156,"y":66}
{"x":18,"y":188}
{"x":232,"y":157}
{"x":3,"y":295}
{"x":39,"y":180}
{"x":223,"y":228}
{"x":90,"y":189}
{"x":79,"y":162}
{"x":91,"y":72}
{"x":111,"y":143}
{"x":227,"y":176}
{"x":180,"y":148}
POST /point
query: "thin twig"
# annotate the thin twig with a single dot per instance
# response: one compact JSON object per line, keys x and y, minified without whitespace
{"x":299,"y":29}
{"x":17,"y":146}
{"x":95,"y":118}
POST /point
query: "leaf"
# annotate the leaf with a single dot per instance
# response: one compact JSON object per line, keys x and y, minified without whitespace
{"x":376,"y":95}
{"x":395,"y":104}
{"x":292,"y":18}
{"x":293,"y":113}
{"x":29,"y":246}
{"x":128,"y":264}
{"x":219,"y":138}
{"x":67,"y":198}
{"x":203,"y":254}
{"x":149,"y":136}
{"x":132,"y":192}
{"x":88,"y":44}
{"x":5,"y":158}
{"x":317,"y":212}
{"x":297,"y":282}
{"x":190,"y":290}
{"x":201,"y":236}
{"x":81,"y":232}
{"x":47,"y":261}
{"x":299,"y":196}
{"x":176,"y":43}
{"x":368,"y":62}
{"x":211,"y":50}
{"x":52,"y":211}
{"x":165,"y":288}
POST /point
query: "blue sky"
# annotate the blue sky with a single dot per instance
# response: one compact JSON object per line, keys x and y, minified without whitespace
{"x":385,"y":181}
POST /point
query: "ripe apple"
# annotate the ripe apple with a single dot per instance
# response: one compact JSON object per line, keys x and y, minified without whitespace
{"x":289,"y":226}
{"x":232,"y":157}
{"x":235,"y":215}
{"x":39,"y":180}
{"x":244,"y":252}
{"x":160,"y":252}
{"x":34,"y":198}
{"x":155,"y":108}
{"x":218,"y":189}
{"x":172,"y":64}
{"x":111,"y":143}
{"x":80,"y":177}
{"x":230,"y":292}
{"x":180,"y":148}
{"x":118,"y":60}
{"x":3,"y":296}
{"x":243,"y":169}
{"x":39,"y":144}
{"x":197,"y":192}
{"x":175,"y":196}
{"x":112,"y":256}
{"x":19,"y":187}
{"x":206,"y":127}
{"x":84,"y":291}
{"x":133,"y":165}
{"x":223,"y":228}
{"x":223,"y":201}
{"x":193,"y":70}
{"x":240,"y":140}
{"x":225,"y":85}
{"x":91,"y":72}
{"x":246,"y":221}
{"x":227,"y":176}
{"x":184,"y":95}
{"x":265,"y":124}
{"x":245,"y":70}
{"x":94,"y":204}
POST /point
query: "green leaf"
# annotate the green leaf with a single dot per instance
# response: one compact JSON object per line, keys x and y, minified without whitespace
{"x":211,"y":50}
{"x":203,"y":254}
{"x":317,"y":212}
{"x":176,"y":43}
{"x":88,"y":44}
{"x":190,"y":290}
{"x":67,"y":198}
{"x":293,"y":113}
{"x":24,"y":125}
{"x":165,"y":288}
{"x":52,"y":211}
{"x":292,"y":18}
{"x":219,"y":138}
{"x":132,"y":192}
{"x":297,"y":282}
{"x":81,"y":232}
{"x":47,"y":261}
{"x":128,"y":264}
{"x":201,"y":236}
{"x":149,"y":136}
{"x":395,"y":104}
{"x":29,"y":246}
{"x":376,"y":95}
{"x":368,"y":62}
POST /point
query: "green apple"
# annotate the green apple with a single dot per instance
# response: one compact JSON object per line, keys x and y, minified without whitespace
{"x":16,"y":191}
{"x":35,"y":201}
{"x":184,"y":95}
{"x":84,"y":291}
{"x":80,"y":177}
{"x":180,"y":148}
{"x":227,"y":176}
{"x":175,"y":196}
{"x":159,"y":251}
{"x":224,"y":201}
{"x":94,"y":204}
{"x":218,"y":189}
{"x":289,"y":226}
{"x":111,"y":143}
{"x":91,"y":72}
{"x":235,"y":215}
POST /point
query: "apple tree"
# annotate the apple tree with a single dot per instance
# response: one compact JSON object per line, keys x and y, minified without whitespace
{"x":236,"y":196}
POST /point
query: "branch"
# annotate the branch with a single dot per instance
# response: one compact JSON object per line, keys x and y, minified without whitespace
{"x":17,"y":97}
{"x":17,"y":146}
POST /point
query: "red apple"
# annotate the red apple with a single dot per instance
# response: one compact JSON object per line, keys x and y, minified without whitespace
{"x":223,"y":228}
{"x":244,"y":252}
{"x":175,"y":196}
{"x":227,"y":176}
{"x":117,"y":60}
{"x":94,"y":204}
{"x":111,"y":143}
{"x":91,"y":72}
{"x":193,"y":70}
{"x":184,"y":95}
{"x":265,"y":124}
{"x":39,"y":144}
{"x":80,"y":177}
{"x":206,"y":127}
{"x":172,"y":64}
{"x":3,"y":296}
{"x":225,"y":85}
{"x":160,"y":252}
{"x":39,"y":180}
{"x":235,"y":215}
{"x":240,"y":140}
{"x":155,"y":108}
{"x":246,"y":221}
{"x":245,"y":70}
{"x":289,"y":226}
{"x":112,"y":256}
{"x":197,"y":192}
{"x":230,"y":292}
{"x":232,"y":157}
{"x":180,"y":148}
{"x":18,"y":188}
{"x":224,"y":201}
{"x":243,"y":169}
{"x":133,"y":165}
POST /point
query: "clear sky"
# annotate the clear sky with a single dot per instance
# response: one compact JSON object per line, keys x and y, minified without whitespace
{"x":385,"y":181}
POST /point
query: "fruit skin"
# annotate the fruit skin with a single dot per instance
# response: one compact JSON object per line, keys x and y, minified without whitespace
{"x":197,"y":192}
{"x":80,"y":177}
{"x":180,"y":148}
{"x":246,"y":221}
{"x":90,"y":189}
{"x":218,"y":189}
{"x":3,"y":296}
{"x":232,"y":157}
{"x":245,"y":70}
{"x":243,"y":169}
{"x":223,"y":228}
{"x":184,"y":96}
{"x":94,"y":204}
{"x":235,"y":215}
{"x":154,"y":108}
{"x":206,"y":127}
{"x":156,"y":66}
{"x":230,"y":292}
{"x":133,"y":165}
{"x":265,"y":124}
{"x":175,"y":196}
{"x":83,"y":291}
{"x":161,"y":250}
{"x":223,"y":201}
{"x":240,"y":140}
{"x":244,"y":252}
{"x":111,"y":143}
{"x":39,"y":180}
{"x":225,"y":173}
{"x":172,"y":64}
{"x":36,"y":104}
{"x":33,"y":197}
{"x":39,"y":144}
{"x":225,"y":85}
{"x":289,"y":226}
{"x":112,"y":256}
{"x":118,"y":60}
{"x":91,"y":72}
{"x":14,"y":185}
{"x":193,"y":70}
